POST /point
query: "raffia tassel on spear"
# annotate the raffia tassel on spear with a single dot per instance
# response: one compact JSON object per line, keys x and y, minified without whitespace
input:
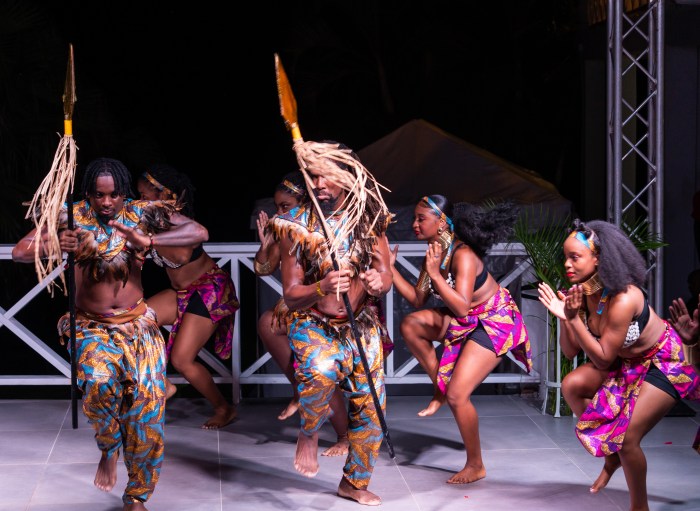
{"x":363,"y":196}
{"x":55,"y":190}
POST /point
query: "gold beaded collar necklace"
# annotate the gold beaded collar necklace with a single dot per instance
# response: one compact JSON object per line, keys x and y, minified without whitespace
{"x":592,"y":285}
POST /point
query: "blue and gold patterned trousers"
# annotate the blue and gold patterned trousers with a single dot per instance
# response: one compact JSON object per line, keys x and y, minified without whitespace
{"x":121,"y":370}
{"x":326,"y":354}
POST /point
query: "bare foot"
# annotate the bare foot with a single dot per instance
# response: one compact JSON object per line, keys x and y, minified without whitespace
{"x":223,"y":415}
{"x":290,"y":410}
{"x":434,"y":405}
{"x":135,"y":506}
{"x":170,"y":389}
{"x":612,"y":463}
{"x":340,"y":448}
{"x":468,"y":475}
{"x":305,"y":460}
{"x":365,"y":497}
{"x":106,"y":476}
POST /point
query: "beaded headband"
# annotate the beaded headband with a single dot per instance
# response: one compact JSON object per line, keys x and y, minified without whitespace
{"x":438,"y":211}
{"x":293,"y":188}
{"x":159,"y":187}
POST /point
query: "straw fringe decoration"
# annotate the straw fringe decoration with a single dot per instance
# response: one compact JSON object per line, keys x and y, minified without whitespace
{"x":45,"y":208}
{"x":364,"y":209}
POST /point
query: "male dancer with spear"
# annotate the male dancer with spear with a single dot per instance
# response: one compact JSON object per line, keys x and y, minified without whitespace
{"x":116,"y":344}
{"x":334,"y":258}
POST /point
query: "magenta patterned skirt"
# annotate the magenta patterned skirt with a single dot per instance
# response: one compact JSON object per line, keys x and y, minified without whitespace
{"x":503,"y":323}
{"x":601,"y":428}
{"x":219,"y":296}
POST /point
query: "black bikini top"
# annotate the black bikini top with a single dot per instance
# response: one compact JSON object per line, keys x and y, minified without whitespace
{"x":478,"y":282}
{"x":197,"y":252}
{"x":481,"y":278}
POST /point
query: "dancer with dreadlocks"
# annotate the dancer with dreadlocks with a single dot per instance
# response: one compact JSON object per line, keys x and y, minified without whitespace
{"x":479,"y":321}
{"x":349,"y":255}
{"x":119,"y":348}
{"x":202,"y":301}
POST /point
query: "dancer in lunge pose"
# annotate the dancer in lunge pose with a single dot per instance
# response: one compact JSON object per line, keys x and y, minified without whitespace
{"x":202,"y":301}
{"x":479,"y":322}
{"x":272,"y":325}
{"x":119,"y":348}
{"x":327,"y":252}
{"x":635,"y":370}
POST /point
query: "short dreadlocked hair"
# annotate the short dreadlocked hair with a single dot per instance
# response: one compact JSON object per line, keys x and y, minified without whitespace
{"x":178,"y":183}
{"x":106,"y":167}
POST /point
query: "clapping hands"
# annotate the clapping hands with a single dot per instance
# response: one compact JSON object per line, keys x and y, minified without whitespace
{"x":563,"y":306}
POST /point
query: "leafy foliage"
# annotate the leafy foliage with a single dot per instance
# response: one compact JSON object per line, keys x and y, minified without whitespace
{"x":543,"y":246}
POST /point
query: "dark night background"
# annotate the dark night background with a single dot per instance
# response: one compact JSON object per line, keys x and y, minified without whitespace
{"x":194,"y":85}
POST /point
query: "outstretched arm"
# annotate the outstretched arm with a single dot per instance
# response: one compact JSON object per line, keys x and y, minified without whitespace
{"x":184,"y":232}
{"x":23,"y":251}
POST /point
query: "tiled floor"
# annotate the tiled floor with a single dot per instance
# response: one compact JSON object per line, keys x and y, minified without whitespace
{"x":534,"y":462}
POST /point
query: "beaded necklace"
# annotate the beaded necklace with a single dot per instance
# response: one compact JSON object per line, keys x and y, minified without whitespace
{"x":602,"y":301}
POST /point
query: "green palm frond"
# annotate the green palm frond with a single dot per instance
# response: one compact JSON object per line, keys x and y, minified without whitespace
{"x":639,"y":231}
{"x":543,"y":245}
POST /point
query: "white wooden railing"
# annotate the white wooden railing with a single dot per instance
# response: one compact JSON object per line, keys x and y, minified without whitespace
{"x":238,"y":258}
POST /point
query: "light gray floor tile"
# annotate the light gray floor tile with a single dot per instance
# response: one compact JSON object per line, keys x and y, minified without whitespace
{"x":32,"y":415}
{"x":533,"y":461}
{"x":26,"y":446}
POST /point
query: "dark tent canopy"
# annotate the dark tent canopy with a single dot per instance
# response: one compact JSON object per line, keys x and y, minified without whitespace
{"x":420,"y":159}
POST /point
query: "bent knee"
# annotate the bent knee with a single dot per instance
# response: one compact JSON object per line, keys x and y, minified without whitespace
{"x":410,"y":323}
{"x":455,"y":399}
{"x":180,"y":363}
{"x":574,"y":385}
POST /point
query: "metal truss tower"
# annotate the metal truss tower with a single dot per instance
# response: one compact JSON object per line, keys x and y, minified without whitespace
{"x":635,"y":124}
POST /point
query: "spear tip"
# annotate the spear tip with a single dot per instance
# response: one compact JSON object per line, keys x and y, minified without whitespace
{"x":69,"y":97}
{"x":288,"y":104}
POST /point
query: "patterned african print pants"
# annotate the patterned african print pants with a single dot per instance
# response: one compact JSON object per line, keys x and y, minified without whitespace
{"x":120,"y":370}
{"x":326,"y":354}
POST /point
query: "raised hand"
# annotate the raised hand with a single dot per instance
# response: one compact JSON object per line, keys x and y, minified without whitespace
{"x":261,"y":223}
{"x":572,"y":301}
{"x":433,"y":258}
{"x":393,"y":254}
{"x":553,"y":301}
{"x":687,"y":325}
